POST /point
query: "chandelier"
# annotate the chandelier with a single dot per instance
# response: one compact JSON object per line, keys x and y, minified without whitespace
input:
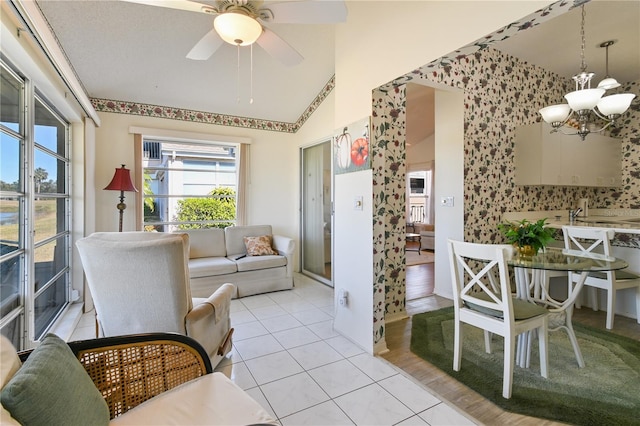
{"x":584,"y":100}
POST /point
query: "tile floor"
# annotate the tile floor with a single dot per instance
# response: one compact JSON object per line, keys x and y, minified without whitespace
{"x":288,"y":358}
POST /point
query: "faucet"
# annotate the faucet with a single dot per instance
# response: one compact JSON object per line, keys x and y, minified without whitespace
{"x":574,"y":213}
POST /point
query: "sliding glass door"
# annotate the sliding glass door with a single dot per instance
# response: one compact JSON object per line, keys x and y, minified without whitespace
{"x":316,"y":212}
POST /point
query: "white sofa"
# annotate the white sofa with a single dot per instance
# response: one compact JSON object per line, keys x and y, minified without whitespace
{"x":218,"y":256}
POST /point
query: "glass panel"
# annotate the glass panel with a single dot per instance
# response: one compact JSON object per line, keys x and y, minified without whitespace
{"x":9,"y":221}
{"x":12,"y":331}
{"x":50,"y":217}
{"x":50,"y":132}
{"x":10,"y":101}
{"x":50,"y":259}
{"x":49,"y":303}
{"x":189,"y":183}
{"x":316,"y":211}
{"x":49,"y":174}
{"x":10,"y":281}
{"x":9,"y":163}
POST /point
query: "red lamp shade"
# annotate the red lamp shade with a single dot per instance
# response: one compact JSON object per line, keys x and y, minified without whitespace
{"x":122,"y":181}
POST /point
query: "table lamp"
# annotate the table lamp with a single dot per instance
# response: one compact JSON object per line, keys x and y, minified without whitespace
{"x":121,"y":182}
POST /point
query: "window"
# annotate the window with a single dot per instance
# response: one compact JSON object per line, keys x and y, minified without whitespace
{"x":189,"y":185}
{"x":34,"y":211}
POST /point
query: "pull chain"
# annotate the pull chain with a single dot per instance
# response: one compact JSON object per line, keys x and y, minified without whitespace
{"x":251,"y":78}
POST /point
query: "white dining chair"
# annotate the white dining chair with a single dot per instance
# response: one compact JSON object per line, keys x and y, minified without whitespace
{"x":482,"y":298}
{"x":587,"y":239}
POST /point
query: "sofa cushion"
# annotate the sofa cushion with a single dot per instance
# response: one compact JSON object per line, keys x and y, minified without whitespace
{"x":234,"y":236}
{"x":208,"y":266}
{"x":211,"y":399}
{"x":259,"y":246}
{"x":53,"y":388}
{"x":206,"y":243}
{"x":252,"y":263}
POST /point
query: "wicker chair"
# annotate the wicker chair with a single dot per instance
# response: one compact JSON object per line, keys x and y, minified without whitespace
{"x":129,"y":370}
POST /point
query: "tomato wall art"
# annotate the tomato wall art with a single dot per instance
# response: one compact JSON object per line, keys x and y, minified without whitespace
{"x":351,"y":148}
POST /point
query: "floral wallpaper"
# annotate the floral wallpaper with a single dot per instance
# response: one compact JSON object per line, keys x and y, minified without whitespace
{"x":388,"y":130}
{"x":500,"y":93}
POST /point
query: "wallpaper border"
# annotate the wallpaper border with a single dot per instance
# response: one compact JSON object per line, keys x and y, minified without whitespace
{"x":183,"y":114}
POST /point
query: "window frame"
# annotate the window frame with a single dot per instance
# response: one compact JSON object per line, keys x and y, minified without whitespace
{"x":214,"y":160}
{"x":26,"y":313}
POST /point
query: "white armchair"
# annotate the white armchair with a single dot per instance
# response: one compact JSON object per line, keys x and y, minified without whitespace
{"x":139,"y":282}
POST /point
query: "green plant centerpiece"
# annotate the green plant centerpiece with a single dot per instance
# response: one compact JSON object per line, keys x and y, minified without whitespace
{"x":528,"y":237}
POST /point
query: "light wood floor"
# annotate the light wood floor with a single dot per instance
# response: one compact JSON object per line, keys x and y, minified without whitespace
{"x":419,"y":281}
{"x":398,"y":335}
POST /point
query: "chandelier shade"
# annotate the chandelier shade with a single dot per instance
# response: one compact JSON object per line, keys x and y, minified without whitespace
{"x":608,"y":83}
{"x":555,"y":113}
{"x":584,"y":99}
{"x":237,"y":28}
{"x":615,"y":104}
{"x":590,"y":105}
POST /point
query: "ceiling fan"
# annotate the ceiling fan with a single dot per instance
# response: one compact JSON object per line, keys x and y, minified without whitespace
{"x":243,"y":22}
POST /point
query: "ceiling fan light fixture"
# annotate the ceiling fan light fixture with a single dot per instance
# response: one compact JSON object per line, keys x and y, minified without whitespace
{"x":237,"y":29}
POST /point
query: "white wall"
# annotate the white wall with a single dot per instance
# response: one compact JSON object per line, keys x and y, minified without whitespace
{"x":353,"y":264}
{"x":383,"y":40}
{"x":449,"y":180}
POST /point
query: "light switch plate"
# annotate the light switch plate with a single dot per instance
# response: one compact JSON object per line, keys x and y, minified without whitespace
{"x":446,"y":201}
{"x":358,"y":202}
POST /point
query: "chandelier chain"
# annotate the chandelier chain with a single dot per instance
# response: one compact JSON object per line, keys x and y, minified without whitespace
{"x":583,"y":43}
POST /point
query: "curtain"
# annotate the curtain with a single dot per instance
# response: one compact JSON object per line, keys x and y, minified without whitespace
{"x":244,"y":179}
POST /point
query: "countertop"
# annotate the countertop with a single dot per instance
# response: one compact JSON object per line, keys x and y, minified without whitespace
{"x":624,"y":221}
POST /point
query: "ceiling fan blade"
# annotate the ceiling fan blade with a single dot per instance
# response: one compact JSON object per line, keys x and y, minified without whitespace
{"x":205,"y":47}
{"x":278,"y":48}
{"x":190,"y":6}
{"x":306,"y":12}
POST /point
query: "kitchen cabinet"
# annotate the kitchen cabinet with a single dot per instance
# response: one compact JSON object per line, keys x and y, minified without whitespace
{"x":545,"y":158}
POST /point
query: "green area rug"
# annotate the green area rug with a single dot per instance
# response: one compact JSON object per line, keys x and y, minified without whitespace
{"x":605,"y":392}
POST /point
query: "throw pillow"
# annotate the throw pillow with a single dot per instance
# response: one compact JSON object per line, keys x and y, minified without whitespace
{"x":53,"y":388}
{"x":259,"y":246}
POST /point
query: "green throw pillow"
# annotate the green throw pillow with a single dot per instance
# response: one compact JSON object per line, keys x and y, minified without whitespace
{"x":53,"y":388}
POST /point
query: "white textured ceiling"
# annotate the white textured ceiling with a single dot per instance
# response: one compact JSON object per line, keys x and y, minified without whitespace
{"x":133,"y":52}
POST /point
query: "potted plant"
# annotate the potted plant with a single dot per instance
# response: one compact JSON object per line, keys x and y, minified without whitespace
{"x":528,"y":237}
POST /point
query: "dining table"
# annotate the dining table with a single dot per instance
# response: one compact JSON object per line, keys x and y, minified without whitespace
{"x":531,"y":285}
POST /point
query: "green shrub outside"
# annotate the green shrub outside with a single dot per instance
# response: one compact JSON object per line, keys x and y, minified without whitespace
{"x":220,"y":208}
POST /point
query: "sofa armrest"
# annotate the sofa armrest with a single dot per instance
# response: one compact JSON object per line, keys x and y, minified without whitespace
{"x":209,"y":322}
{"x":285,"y":246}
{"x":119,"y":364}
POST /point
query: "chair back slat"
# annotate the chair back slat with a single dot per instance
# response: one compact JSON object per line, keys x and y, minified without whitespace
{"x":481,"y":276}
